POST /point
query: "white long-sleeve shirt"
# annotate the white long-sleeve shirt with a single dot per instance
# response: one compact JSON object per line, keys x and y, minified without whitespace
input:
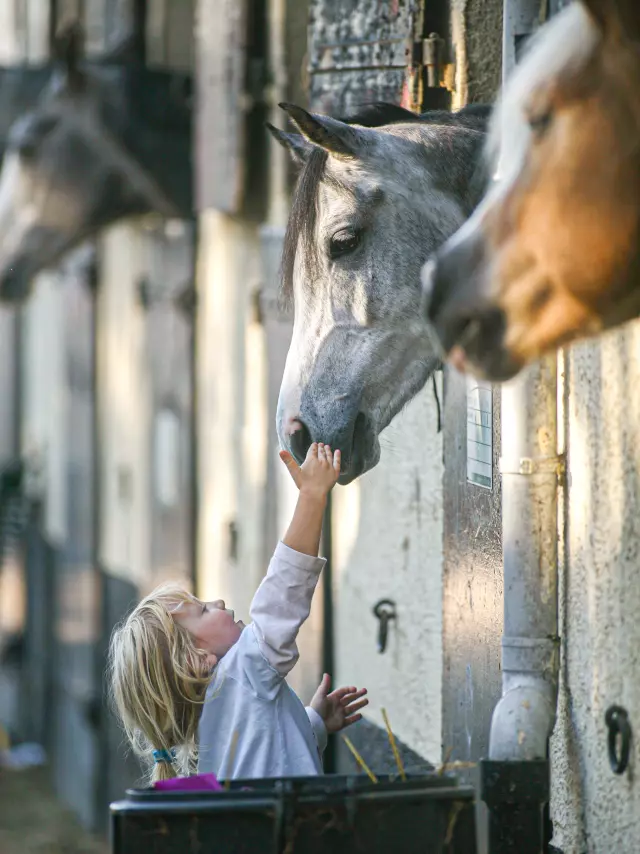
{"x":248,"y":695}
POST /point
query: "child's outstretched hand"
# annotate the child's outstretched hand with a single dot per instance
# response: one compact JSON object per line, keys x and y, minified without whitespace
{"x":320,"y":471}
{"x":338,"y":709}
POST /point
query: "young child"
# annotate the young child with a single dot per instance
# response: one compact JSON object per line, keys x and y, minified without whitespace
{"x":193,"y":687}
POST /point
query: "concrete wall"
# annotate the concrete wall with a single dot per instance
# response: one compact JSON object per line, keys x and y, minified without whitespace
{"x":123,"y":406}
{"x":230,"y":450}
{"x":593,"y":809}
{"x":387,"y":541}
{"x":476,"y":34}
{"x":43,"y":414}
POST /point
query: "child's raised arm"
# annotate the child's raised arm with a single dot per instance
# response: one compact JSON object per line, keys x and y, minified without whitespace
{"x":283,"y":600}
{"x":315,"y":479}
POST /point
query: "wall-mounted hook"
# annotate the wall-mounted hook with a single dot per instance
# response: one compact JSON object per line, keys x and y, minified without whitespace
{"x":385,"y":611}
{"x":619,"y":738}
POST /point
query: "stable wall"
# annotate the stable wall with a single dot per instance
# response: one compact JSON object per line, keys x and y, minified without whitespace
{"x":229,"y":451}
{"x":123,"y":407}
{"x":387,"y":541}
{"x":594,"y":810}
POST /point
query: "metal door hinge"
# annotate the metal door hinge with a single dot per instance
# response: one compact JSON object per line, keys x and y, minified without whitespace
{"x":430,"y":54}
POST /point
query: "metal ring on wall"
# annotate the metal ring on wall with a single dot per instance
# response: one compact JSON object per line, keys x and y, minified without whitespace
{"x":617,"y":721}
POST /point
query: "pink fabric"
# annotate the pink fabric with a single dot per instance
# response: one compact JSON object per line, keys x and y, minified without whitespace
{"x":197,"y":783}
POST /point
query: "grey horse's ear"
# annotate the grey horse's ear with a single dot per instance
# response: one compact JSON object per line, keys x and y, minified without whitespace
{"x":295,"y":143}
{"x":332,"y":135}
{"x":67,"y":51}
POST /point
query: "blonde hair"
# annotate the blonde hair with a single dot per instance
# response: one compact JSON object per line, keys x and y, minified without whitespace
{"x":158,"y":680}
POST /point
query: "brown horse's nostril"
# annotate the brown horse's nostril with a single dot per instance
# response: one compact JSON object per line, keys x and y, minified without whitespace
{"x":452,"y":286}
{"x":465,"y":330}
{"x":300,"y":442}
{"x":477,"y":332}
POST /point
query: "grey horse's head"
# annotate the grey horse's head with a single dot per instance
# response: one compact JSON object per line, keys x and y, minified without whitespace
{"x":103,"y":141}
{"x":371,"y":204}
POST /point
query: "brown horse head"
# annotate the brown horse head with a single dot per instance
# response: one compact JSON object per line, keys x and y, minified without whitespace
{"x":553,"y":251}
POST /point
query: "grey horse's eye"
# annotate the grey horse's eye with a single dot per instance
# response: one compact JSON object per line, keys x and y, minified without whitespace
{"x":540,"y":123}
{"x":345,"y":241}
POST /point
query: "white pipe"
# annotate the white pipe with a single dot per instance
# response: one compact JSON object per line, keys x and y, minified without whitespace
{"x":524,"y":717}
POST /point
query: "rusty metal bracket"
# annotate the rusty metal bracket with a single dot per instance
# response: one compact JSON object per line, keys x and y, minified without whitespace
{"x":535,"y":465}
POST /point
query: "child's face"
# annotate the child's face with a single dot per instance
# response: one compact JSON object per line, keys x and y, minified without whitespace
{"x":211,"y":626}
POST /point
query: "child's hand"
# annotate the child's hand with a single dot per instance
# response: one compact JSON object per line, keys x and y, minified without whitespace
{"x":339,"y":708}
{"x":320,"y":471}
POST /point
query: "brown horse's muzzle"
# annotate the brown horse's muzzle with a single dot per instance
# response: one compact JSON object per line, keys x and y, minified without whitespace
{"x":468,"y":324}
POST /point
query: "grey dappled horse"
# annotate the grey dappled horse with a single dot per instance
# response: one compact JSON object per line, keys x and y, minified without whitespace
{"x":103,"y":141}
{"x":375,"y":197}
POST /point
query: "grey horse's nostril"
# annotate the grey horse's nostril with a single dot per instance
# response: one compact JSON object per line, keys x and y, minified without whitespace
{"x":356,"y":453}
{"x":349,"y":432}
{"x":359,"y":430}
{"x":300,"y":442}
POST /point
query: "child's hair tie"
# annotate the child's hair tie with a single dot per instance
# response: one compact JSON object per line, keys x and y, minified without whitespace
{"x":164,"y":756}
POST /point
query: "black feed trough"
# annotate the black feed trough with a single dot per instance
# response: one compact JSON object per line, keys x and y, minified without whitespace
{"x":428,"y":814}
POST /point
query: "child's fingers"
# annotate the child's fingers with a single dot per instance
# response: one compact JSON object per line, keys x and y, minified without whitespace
{"x":341,"y":693}
{"x":292,"y":465}
{"x":287,"y":459}
{"x":313,"y":451}
{"x":348,"y":694}
{"x":325,"y":686}
{"x":355,"y":707}
{"x":321,"y":451}
{"x":353,"y":719}
{"x":336,"y":461}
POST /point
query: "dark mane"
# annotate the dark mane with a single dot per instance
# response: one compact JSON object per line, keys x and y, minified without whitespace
{"x":304,"y":211}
